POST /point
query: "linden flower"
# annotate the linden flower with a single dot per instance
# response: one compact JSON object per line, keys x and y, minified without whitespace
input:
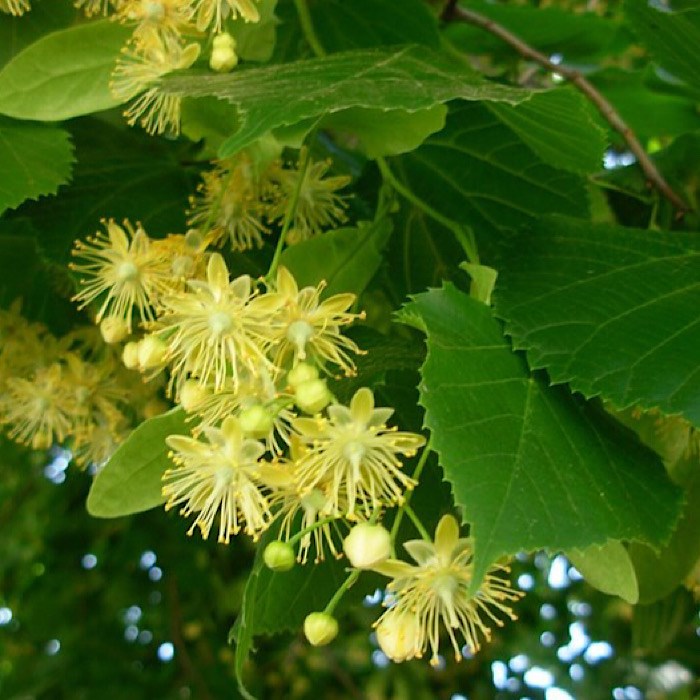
{"x":186,"y":254}
{"x":14,"y":7}
{"x":231,"y":205}
{"x":138,"y":73}
{"x":212,"y":13}
{"x":356,"y":454}
{"x":309,"y":327}
{"x":318,"y":205}
{"x":222,"y":478}
{"x":216,"y":329}
{"x":437,"y":590}
{"x":39,"y":410}
{"x":124,"y":267}
{"x":157,"y":20}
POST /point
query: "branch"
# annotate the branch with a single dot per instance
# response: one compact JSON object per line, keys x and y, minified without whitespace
{"x":453,"y":12}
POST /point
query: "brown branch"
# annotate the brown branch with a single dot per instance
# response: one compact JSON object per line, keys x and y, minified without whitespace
{"x":453,"y":12}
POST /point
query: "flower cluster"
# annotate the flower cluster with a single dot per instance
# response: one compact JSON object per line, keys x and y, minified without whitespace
{"x":14,"y":7}
{"x":244,"y":195}
{"x":71,"y":390}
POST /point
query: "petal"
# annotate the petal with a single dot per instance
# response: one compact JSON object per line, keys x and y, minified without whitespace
{"x":362,"y":405}
{"x":217,"y":273}
{"x":117,"y":236}
{"x":379,"y":417}
{"x":395,"y":568}
{"x":231,"y":430}
{"x":421,"y":551}
{"x":286,"y":284}
{"x":446,"y":537}
{"x":337,"y":303}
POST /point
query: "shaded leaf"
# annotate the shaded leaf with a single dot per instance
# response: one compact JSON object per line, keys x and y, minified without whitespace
{"x":130,"y":482}
{"x":673,"y":38}
{"x":532,"y":466}
{"x":612,"y":311}
{"x":64,"y":74}
{"x":35,"y":159}
{"x":608,"y":568}
{"x":351,"y":257}
{"x":409,"y":78}
{"x":561,"y":127}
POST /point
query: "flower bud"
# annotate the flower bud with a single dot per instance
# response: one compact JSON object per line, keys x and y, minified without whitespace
{"x":114,"y":329}
{"x":130,"y":355}
{"x":192,"y":395}
{"x":279,"y":556}
{"x":398,"y":634}
{"x":257,"y":421}
{"x":152,"y":352}
{"x":223,"y":56}
{"x":320,"y":628}
{"x":312,"y":396}
{"x":303,"y":372}
{"x":367,"y":545}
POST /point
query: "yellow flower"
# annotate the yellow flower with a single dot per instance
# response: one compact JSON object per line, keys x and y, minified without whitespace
{"x":212,"y":13}
{"x":216,"y":328}
{"x":38,"y":410}
{"x":219,"y":478}
{"x":231,"y":204}
{"x":124,"y":269}
{"x":14,"y":7}
{"x":436,"y":590}
{"x":310,"y":328}
{"x":138,"y":74}
{"x":157,"y":20}
{"x":356,"y":454}
{"x":186,"y":255}
{"x":318,"y":206}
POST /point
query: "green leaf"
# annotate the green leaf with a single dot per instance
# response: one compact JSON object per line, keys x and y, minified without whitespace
{"x":483,"y":281}
{"x":673,"y":38}
{"x":349,"y":24}
{"x":613,"y":311}
{"x":35,"y":159}
{"x":608,"y":568}
{"x":532,"y":466}
{"x":278,"y":602}
{"x":119,"y":173}
{"x":409,"y":78}
{"x":17,"y":32}
{"x":580,"y":36}
{"x":130,"y":482}
{"x":351,"y":257}
{"x":660,"y":572}
{"x":64,"y":74}
{"x":478,"y":172}
{"x":655,"y":626}
{"x":384,"y":132}
{"x":561,"y":127}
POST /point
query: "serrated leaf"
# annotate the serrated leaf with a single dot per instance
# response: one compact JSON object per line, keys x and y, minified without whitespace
{"x":36,"y":159}
{"x":479,"y":172}
{"x":64,"y":74}
{"x":408,"y":78}
{"x":608,"y":568}
{"x":532,"y":466}
{"x":612,"y":311}
{"x":351,"y":257}
{"x":561,"y":127}
{"x":130,"y":482}
{"x":672,"y":37}
{"x":384,"y":132}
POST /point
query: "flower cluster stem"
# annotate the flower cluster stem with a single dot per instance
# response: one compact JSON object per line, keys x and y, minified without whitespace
{"x":338,"y":595}
{"x":307,"y":27}
{"x":416,"y":477}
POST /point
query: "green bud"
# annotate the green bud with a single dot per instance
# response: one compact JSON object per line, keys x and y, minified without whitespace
{"x":320,"y":628}
{"x":279,"y":556}
{"x":312,"y":396}
{"x":303,"y":372}
{"x":257,"y":421}
{"x":152,"y":352}
{"x":130,"y":355}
